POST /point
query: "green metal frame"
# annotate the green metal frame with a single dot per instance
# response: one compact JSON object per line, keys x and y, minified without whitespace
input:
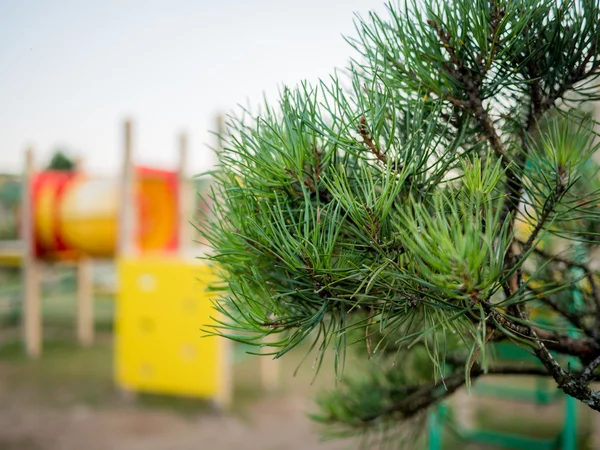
{"x":565,"y":440}
{"x":543,"y":393}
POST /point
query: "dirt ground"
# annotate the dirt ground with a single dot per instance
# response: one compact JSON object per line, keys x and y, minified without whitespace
{"x":67,"y":401}
{"x":276,"y":424}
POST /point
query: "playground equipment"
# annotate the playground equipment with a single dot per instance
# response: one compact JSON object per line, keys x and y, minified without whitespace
{"x":159,"y":345}
{"x":141,"y":221}
{"x":543,"y":393}
{"x":74,"y":217}
{"x":77,"y":215}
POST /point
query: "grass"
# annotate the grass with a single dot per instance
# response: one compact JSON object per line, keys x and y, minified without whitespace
{"x":67,"y":375}
{"x":58,"y":300}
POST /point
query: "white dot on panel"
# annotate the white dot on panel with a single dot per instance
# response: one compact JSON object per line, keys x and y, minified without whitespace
{"x":147,"y":324}
{"x":146,"y":370}
{"x":147,"y":283}
{"x":188,"y":351}
{"x":189,"y":305}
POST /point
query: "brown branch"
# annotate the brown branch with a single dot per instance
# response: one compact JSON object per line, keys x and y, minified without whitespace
{"x":278,"y":325}
{"x":588,"y":373}
{"x":566,"y":381}
{"x":424,"y":397}
{"x":536,"y":102}
{"x":368,"y":140}
{"x":472,"y":83}
{"x":595,"y":296}
{"x":418,"y":399}
{"x":582,"y":347}
{"x":457,"y":102}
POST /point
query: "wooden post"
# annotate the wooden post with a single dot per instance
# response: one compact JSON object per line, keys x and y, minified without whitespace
{"x":224,"y":395}
{"x":31,"y":314}
{"x":269,"y":368}
{"x":85,"y":302}
{"x":183,"y":201}
{"x":127,"y":219}
{"x":85,"y":293}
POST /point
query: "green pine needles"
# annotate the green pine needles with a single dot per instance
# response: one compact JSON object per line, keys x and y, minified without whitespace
{"x":438,"y":199}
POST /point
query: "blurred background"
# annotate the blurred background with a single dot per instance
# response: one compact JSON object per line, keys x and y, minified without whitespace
{"x":72,"y":70}
{"x":72,"y":74}
{"x":106,"y":113}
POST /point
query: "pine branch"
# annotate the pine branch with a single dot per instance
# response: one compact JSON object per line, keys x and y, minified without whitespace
{"x":305,"y":236}
{"x":474,"y":105}
{"x":419,"y":399}
{"x":582,"y":347}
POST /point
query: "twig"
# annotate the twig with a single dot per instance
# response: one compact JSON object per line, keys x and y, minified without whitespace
{"x":582,"y":347}
{"x":475,"y":104}
{"x":588,"y":373}
{"x":578,"y":75}
{"x":547,"y":210}
{"x":590,"y":275}
{"x":572,"y":317}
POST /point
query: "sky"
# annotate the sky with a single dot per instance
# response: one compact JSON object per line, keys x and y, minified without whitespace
{"x":72,"y":71}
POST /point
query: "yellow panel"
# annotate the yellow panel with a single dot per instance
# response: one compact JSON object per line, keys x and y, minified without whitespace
{"x":162,"y":304}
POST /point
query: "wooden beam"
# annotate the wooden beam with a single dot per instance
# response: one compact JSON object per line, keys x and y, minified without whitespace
{"x":31,"y":314}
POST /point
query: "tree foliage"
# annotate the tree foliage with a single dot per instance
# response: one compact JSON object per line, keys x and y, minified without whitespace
{"x":60,"y":161}
{"x":439,"y":198}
